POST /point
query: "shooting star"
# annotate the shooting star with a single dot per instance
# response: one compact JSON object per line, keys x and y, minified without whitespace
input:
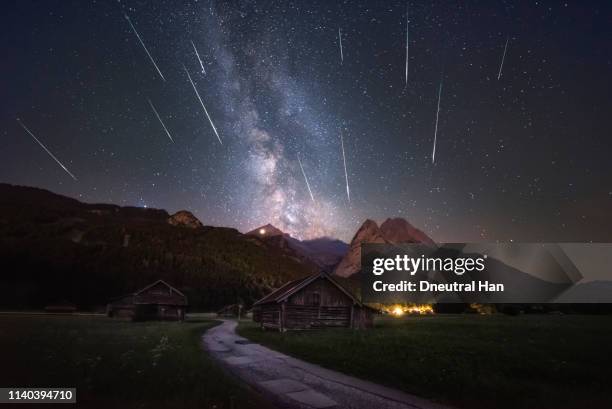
{"x":306,"y":179}
{"x":501,"y":66}
{"x":46,"y":150}
{"x":433,"y":154}
{"x":144,"y":46}
{"x":199,"y":59}
{"x":348,"y":192}
{"x":202,"y":103}
{"x":341,"y":52}
{"x":407,"y":25}
{"x":160,"y":121}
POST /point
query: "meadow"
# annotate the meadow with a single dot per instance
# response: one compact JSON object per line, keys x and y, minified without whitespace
{"x":118,"y":363}
{"x":469,"y":361}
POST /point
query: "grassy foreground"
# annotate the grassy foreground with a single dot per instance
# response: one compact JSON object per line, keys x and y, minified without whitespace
{"x":116,"y":363}
{"x":470,"y":361}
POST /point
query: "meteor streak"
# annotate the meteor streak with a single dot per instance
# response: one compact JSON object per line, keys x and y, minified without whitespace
{"x":407,"y":25}
{"x":306,"y":179}
{"x":144,"y":46}
{"x":341,"y":53}
{"x":199,"y":59}
{"x":46,"y":150}
{"x":160,"y":121}
{"x":433,"y":154}
{"x":203,"y":107}
{"x":348,"y":192}
{"x":501,"y":66}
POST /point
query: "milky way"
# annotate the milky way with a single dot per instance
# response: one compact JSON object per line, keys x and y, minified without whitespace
{"x":520,"y":158}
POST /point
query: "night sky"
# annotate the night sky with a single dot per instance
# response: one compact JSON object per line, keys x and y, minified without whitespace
{"x":525,"y":157}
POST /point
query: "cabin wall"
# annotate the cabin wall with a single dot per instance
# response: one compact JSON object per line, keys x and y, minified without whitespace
{"x":268,"y":315}
{"x":158,"y":302}
{"x":170,"y":313}
{"x":321,"y":304}
{"x":256,"y":313}
{"x":144,"y":312}
{"x":362,"y":318}
{"x":310,"y":317}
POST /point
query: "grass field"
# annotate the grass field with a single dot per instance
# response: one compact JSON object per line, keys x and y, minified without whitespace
{"x":116,"y":363}
{"x":470,"y":361}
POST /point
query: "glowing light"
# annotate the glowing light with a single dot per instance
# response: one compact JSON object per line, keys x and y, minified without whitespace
{"x":483,"y":309}
{"x":413,"y":309}
{"x":420,"y":309}
{"x":262,"y":231}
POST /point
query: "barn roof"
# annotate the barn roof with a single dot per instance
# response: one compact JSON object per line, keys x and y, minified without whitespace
{"x":158,"y":282}
{"x":133,"y":297}
{"x":284,"y":292}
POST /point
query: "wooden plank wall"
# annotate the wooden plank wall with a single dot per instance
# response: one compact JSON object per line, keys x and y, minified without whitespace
{"x":269,"y":315}
{"x":307,"y":316}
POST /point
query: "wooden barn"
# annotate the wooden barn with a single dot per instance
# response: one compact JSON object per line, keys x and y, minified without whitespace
{"x":157,"y":301}
{"x":316,"y":301}
{"x":231,"y":311}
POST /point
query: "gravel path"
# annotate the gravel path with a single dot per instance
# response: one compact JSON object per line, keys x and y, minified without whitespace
{"x":292,"y":383}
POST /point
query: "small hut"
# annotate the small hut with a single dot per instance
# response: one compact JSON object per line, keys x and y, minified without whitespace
{"x":157,"y":301}
{"x":231,"y":311}
{"x":316,"y":301}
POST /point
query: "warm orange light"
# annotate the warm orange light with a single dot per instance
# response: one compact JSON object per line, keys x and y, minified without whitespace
{"x":397,"y":311}
{"x":262,"y":231}
{"x":420,"y":309}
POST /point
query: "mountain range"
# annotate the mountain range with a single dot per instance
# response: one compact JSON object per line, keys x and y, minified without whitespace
{"x":55,"y":248}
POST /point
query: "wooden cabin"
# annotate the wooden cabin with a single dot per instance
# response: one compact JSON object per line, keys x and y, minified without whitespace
{"x":231,"y":311}
{"x":316,"y":301}
{"x":157,"y":301}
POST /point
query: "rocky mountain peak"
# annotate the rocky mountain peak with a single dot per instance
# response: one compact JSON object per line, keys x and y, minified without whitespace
{"x":184,"y":218}
{"x":399,"y":230}
{"x":369,"y":232}
{"x":391,"y":231}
